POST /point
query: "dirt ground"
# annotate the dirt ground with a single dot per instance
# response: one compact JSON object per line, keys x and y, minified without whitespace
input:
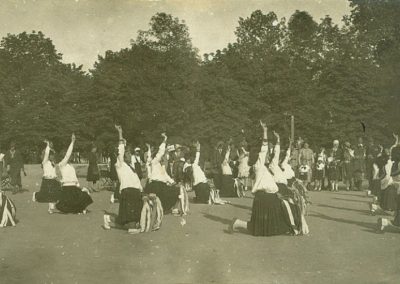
{"x":342,"y":247}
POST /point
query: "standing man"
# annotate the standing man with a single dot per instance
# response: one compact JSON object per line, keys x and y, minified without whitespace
{"x":14,"y":165}
{"x":306,"y":158}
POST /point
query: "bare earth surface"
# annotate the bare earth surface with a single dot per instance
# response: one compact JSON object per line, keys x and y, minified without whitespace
{"x":343,"y":246}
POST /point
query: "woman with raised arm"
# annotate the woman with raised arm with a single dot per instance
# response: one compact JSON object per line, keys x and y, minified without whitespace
{"x":244,"y":169}
{"x":200,"y":185}
{"x":130,"y":200}
{"x":227,"y":182}
{"x":73,"y":199}
{"x":159,"y":182}
{"x":50,"y":188}
{"x":269,"y":215}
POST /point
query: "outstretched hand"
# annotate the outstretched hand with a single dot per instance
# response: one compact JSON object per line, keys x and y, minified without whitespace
{"x":73,"y":137}
{"x":396,"y":136}
{"x":197,"y":144}
{"x":163,"y":135}
{"x":148,"y":146}
{"x":118,"y":127}
{"x":276,"y":134}
{"x":263,"y":124}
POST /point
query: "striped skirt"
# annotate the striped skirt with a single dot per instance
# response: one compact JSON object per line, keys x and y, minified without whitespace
{"x":7,"y":211}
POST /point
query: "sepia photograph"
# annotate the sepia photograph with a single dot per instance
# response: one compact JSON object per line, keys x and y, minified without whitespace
{"x":199,"y":141}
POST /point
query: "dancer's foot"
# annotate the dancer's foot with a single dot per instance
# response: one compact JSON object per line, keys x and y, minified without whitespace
{"x":382,"y":224}
{"x":231,"y":226}
{"x":106,"y":222}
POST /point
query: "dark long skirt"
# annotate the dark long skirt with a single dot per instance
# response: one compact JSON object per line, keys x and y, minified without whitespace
{"x":49,"y":191}
{"x":269,"y":216}
{"x":396,"y":220}
{"x":227,"y":187}
{"x":15,"y":177}
{"x":202,"y":191}
{"x":73,"y":200}
{"x":130,"y":206}
{"x":93,"y":174}
{"x":389,"y":198}
{"x":375,"y":188}
{"x":168,"y":195}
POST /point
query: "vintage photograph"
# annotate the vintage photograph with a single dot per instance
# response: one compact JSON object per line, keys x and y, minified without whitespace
{"x":199,"y":141}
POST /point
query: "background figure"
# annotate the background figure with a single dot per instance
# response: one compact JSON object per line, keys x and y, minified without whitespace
{"x":218,"y":158}
{"x":93,"y":173}
{"x":306,"y":157}
{"x":347,"y":168}
{"x":359,"y":164}
{"x":15,"y":165}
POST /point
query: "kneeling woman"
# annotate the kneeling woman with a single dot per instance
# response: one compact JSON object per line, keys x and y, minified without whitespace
{"x":269,"y":215}
{"x":159,"y":182}
{"x":51,"y":187}
{"x":200,"y":185}
{"x":73,"y":199}
{"x":227,"y":182}
{"x":130,"y":200}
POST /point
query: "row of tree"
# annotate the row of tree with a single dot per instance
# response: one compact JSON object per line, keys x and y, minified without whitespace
{"x":334,"y":79}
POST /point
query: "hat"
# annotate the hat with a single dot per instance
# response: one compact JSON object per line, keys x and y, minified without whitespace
{"x":347,"y":144}
{"x":137,"y":149}
{"x":336,"y":142}
{"x":171,"y":148}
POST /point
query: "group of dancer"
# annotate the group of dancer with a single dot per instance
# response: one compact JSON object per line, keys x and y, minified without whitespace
{"x":280,"y":198}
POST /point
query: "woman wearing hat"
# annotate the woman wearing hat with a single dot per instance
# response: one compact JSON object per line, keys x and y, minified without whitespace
{"x":15,"y":165}
{"x":50,"y":188}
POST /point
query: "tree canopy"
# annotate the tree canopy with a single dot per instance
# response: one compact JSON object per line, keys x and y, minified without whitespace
{"x":333,"y":77}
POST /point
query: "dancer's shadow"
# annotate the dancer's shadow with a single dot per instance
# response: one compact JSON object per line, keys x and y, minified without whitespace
{"x":349,"y":194}
{"x":370,"y":226}
{"x":366,"y":212}
{"x":217,"y":219}
{"x":351,"y":200}
{"x":241,"y":206}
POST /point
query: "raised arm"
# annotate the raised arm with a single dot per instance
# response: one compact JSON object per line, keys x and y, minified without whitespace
{"x":161,"y":149}
{"x":396,"y":142}
{"x":148,"y":154}
{"x":288,"y":152}
{"x":197,"y":159}
{"x":264,"y":148}
{"x":69,"y":151}
{"x":277,"y":149}
{"x":121,"y":146}
{"x":46,"y":152}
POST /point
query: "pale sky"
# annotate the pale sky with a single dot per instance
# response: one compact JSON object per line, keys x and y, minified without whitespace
{"x":82,"y":29}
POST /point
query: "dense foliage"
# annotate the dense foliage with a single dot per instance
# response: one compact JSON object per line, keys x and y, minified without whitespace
{"x":332,"y":78}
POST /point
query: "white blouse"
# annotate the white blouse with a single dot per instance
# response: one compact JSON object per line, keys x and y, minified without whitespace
{"x":127,"y":177}
{"x":287,"y":169}
{"x":198,"y":174}
{"x":49,"y":171}
{"x":226,"y":169}
{"x":279,"y":176}
{"x":68,"y":174}
{"x":264,"y":180}
{"x":157,"y":171}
